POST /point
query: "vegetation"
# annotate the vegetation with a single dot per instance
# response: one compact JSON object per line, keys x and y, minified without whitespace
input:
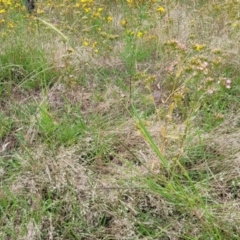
{"x":119,"y":119}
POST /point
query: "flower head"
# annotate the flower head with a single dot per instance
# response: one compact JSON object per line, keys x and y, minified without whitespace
{"x":161,"y":9}
{"x":109,"y":19}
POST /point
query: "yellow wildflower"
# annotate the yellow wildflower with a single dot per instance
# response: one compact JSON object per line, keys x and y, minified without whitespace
{"x":140,"y":34}
{"x":10,"y":25}
{"x":161,"y":9}
{"x":109,"y":19}
{"x":96,"y":14}
{"x":85,"y":43}
{"x":199,"y":47}
{"x":124,"y":22}
{"x":2,"y":11}
{"x":86,"y":1}
{"x":87,"y":10}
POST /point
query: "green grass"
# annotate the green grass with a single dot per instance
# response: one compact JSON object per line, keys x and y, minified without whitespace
{"x":119,"y":120}
{"x":25,"y":67}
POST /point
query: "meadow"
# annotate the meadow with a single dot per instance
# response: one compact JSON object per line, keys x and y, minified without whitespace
{"x":120,"y":120}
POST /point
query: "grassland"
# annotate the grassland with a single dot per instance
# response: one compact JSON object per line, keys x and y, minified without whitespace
{"x":120,"y":120}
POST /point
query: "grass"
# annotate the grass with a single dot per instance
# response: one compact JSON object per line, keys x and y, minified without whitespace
{"x":119,"y":120}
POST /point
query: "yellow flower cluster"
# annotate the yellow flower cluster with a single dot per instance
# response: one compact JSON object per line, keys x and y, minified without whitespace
{"x":94,"y":17}
{"x":7,"y":2}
